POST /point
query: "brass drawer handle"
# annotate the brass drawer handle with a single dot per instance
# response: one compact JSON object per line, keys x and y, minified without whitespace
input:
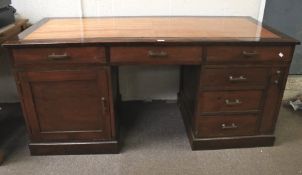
{"x":234,"y":102}
{"x":55,"y":57}
{"x":232,"y":126}
{"x":157,"y":54}
{"x":237,"y":79}
{"x":104,"y":106}
{"x":250,"y":54}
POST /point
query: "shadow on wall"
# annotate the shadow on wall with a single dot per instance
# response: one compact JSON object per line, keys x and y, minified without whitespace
{"x":8,"y":90}
{"x":149,"y":82}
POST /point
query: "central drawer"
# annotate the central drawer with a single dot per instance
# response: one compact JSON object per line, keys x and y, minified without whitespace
{"x":156,"y":55}
{"x":230,"y":101}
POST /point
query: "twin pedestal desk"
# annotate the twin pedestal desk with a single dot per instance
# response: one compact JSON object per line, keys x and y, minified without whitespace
{"x":233,"y":74}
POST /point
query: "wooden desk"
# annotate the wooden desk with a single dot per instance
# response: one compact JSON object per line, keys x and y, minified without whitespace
{"x":233,"y":73}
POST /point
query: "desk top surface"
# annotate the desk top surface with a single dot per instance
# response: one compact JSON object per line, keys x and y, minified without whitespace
{"x":148,"y":29}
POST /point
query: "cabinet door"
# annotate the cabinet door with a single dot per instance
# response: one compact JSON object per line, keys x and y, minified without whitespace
{"x":67,"y":105}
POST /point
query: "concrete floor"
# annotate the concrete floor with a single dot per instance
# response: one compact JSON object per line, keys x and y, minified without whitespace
{"x":155,"y":143}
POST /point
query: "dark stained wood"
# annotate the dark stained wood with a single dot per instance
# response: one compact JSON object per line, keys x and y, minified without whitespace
{"x":188,"y":95}
{"x":155,"y":55}
{"x":221,"y":54}
{"x":70,"y":148}
{"x":273,"y":99}
{"x":223,"y":126}
{"x":232,"y":142}
{"x":234,"y":78}
{"x":233,"y":74}
{"x":226,"y":101}
{"x":56,"y":56}
{"x":67,"y":105}
{"x":221,"y":142}
{"x":114,"y":101}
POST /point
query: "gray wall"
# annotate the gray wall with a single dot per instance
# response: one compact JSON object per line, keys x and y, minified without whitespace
{"x":286,"y":16}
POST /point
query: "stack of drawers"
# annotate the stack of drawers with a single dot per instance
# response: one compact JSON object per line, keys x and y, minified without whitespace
{"x":234,"y":87}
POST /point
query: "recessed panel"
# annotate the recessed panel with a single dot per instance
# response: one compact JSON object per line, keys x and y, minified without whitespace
{"x":67,"y":106}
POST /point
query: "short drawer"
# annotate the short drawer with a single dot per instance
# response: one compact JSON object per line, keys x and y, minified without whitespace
{"x":234,"y":77}
{"x":230,"y":101}
{"x":156,"y":55}
{"x":223,"y":126}
{"x":248,"y":54}
{"x":70,"y":55}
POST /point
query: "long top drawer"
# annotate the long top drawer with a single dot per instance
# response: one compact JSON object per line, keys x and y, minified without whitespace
{"x":65,"y":55}
{"x":156,"y":55}
{"x":217,"y":54}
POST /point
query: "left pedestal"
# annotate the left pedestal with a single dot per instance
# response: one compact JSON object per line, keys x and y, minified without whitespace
{"x":68,"y":107}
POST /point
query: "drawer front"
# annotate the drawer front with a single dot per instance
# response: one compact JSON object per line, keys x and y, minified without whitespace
{"x":156,"y":55}
{"x":71,"y":55}
{"x":234,"y":77}
{"x":230,"y":101}
{"x":248,"y":54}
{"x":222,"y":126}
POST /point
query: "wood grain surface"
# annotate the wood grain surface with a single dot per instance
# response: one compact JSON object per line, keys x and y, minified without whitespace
{"x":150,"y":27}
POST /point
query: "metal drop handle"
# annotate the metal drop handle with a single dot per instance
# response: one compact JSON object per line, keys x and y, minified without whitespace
{"x":157,"y":54}
{"x":232,"y":126}
{"x":104,"y":106}
{"x":237,"y":79}
{"x":232,"y":102}
{"x":250,"y":54}
{"x":55,"y":57}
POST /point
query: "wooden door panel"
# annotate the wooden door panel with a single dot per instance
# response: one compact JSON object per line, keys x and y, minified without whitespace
{"x":79,"y":107}
{"x":69,"y":105}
